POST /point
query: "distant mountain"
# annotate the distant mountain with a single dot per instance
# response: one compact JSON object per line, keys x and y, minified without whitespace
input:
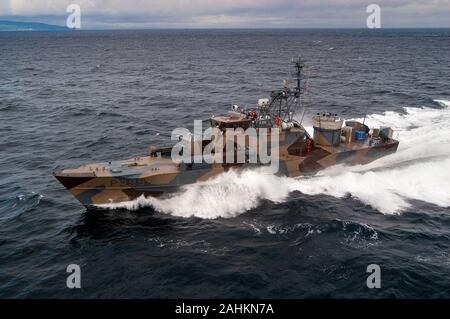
{"x":29,"y":26}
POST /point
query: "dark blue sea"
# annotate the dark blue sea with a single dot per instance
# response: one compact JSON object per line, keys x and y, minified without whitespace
{"x":69,"y":98}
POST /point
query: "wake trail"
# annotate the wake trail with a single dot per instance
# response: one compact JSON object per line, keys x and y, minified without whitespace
{"x":420,"y":170}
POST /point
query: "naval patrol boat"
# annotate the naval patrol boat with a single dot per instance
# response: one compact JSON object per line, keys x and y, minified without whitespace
{"x":334,"y":141}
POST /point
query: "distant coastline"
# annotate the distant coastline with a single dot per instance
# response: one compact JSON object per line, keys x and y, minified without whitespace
{"x":18,"y":26}
{"x":6,"y":25}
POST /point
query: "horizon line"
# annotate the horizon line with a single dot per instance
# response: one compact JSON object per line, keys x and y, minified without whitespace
{"x":65,"y":28}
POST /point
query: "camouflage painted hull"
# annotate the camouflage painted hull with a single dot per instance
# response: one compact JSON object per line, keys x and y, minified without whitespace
{"x":115,"y":182}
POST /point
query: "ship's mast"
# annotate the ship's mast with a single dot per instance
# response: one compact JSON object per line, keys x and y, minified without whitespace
{"x":283,"y":102}
{"x":299,"y":65}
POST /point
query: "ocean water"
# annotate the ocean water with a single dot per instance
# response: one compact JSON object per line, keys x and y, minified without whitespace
{"x":73,"y":98}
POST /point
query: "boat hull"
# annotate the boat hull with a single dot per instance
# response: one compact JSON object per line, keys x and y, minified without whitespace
{"x":100,"y":186}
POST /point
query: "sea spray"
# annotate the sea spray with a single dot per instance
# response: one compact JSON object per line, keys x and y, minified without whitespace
{"x":420,"y":170}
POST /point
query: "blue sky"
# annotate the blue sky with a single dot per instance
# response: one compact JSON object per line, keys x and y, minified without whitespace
{"x":120,"y":14}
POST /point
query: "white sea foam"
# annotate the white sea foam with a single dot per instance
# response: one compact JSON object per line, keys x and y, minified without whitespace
{"x":420,"y":170}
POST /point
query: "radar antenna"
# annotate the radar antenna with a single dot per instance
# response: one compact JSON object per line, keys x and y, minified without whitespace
{"x":299,"y":65}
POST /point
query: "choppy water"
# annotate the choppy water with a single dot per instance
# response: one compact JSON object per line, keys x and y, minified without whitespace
{"x":72,"y":98}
